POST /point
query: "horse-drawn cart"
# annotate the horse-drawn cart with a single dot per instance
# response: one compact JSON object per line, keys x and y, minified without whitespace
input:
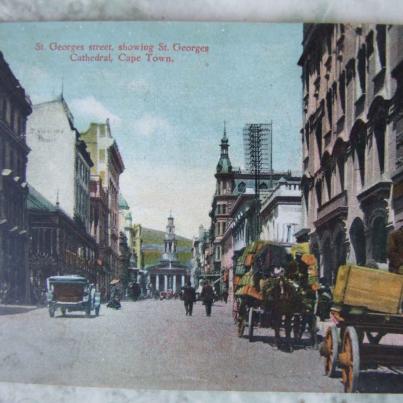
{"x":267,"y":298}
{"x":353,"y":343}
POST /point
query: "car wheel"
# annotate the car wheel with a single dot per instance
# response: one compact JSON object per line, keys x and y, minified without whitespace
{"x":52,"y":311}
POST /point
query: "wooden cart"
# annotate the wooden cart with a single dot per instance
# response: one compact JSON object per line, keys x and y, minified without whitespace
{"x":346,"y":346}
{"x":367,"y":307}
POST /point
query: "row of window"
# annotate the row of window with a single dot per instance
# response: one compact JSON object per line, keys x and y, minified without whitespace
{"x":13,"y":207}
{"x":11,"y":158}
{"x":11,"y":115}
{"x":336,"y":95}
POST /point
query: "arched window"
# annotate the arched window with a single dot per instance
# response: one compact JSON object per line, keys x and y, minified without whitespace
{"x":357,"y":237}
{"x":358,"y":142}
{"x":379,"y":237}
{"x":318,"y":135}
{"x":379,"y":131}
{"x":318,"y":188}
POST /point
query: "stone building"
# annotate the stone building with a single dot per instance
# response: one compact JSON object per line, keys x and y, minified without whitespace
{"x":200,"y":244}
{"x":350,"y":137}
{"x":396,"y":117}
{"x":281,"y":212}
{"x":233,"y":215}
{"x":99,"y":215}
{"x":15,"y":107}
{"x":231,"y":183}
{"x":168,"y":274}
{"x":108,"y":165}
{"x":138,"y":246}
{"x":59,"y":245}
{"x":59,"y":164}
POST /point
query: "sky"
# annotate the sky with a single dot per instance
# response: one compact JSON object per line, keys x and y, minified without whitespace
{"x":167,"y":117}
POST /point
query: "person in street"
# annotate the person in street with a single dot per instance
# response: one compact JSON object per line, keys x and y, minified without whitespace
{"x":207,"y":296}
{"x":395,"y":250}
{"x":189,"y":298}
{"x":225,"y":294}
{"x":115,"y":297}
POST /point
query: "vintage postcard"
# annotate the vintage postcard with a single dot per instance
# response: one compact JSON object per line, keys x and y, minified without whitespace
{"x":202,"y":207}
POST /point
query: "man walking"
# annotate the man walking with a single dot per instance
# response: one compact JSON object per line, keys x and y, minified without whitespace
{"x":207,"y":296}
{"x":189,"y":297}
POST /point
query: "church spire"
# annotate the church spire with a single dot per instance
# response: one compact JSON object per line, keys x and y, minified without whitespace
{"x":170,"y":241}
{"x":224,"y":164}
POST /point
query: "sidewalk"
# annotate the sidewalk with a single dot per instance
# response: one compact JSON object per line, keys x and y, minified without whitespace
{"x":16,"y":309}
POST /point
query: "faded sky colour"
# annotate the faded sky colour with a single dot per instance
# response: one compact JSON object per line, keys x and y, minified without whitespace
{"x":167,"y":117}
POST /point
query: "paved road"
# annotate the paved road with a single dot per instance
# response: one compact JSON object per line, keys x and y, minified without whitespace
{"x":152,"y":344}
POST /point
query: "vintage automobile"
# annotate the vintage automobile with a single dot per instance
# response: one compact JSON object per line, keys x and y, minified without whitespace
{"x":72,"y":293}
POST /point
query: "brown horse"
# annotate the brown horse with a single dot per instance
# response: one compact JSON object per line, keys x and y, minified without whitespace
{"x":285,"y":303}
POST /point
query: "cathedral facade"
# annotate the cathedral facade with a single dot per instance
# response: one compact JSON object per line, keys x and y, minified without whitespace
{"x":169,"y":273}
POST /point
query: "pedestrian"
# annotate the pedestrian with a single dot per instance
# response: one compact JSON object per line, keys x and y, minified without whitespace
{"x":207,"y":296}
{"x":189,"y":298}
{"x":225,"y":294}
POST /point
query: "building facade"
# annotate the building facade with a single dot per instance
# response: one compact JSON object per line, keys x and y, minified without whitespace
{"x":108,"y":165}
{"x":168,"y":274}
{"x":281,"y":212}
{"x":59,"y":164}
{"x":99,"y":216}
{"x":235,"y":211}
{"x":138,"y":246}
{"x":59,"y":245}
{"x":15,"y":107}
{"x":350,"y":139}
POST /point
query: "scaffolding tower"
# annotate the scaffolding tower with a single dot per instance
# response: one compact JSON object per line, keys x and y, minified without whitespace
{"x":258,"y":149}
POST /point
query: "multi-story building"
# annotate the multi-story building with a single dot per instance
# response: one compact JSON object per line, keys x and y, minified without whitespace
{"x":108,"y":165}
{"x":396,"y":117}
{"x":350,"y":137}
{"x":15,"y":107}
{"x":99,"y":216}
{"x":138,"y":246}
{"x":59,"y":164}
{"x":58,"y":243}
{"x":199,"y":263}
{"x":281,"y":212}
{"x":234,"y":215}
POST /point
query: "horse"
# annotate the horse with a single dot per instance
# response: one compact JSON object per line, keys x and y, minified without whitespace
{"x":284,"y":305}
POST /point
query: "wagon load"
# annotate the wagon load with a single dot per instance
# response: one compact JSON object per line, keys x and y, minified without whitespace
{"x":362,"y":287}
{"x":246,"y":287}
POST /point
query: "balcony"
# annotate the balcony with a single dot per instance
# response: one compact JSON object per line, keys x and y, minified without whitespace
{"x":336,"y":207}
{"x":377,"y":191}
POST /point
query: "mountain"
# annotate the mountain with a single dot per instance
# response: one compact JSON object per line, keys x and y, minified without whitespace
{"x":153,"y":247}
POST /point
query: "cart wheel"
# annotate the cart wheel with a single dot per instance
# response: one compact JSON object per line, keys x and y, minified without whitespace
{"x":350,"y":360}
{"x":63,"y":311}
{"x":52,"y":311}
{"x":97,"y":310}
{"x":331,"y":344}
{"x":241,"y":326}
{"x":250,"y":324}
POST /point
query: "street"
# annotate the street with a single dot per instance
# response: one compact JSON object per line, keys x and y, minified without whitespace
{"x":151,"y":344}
